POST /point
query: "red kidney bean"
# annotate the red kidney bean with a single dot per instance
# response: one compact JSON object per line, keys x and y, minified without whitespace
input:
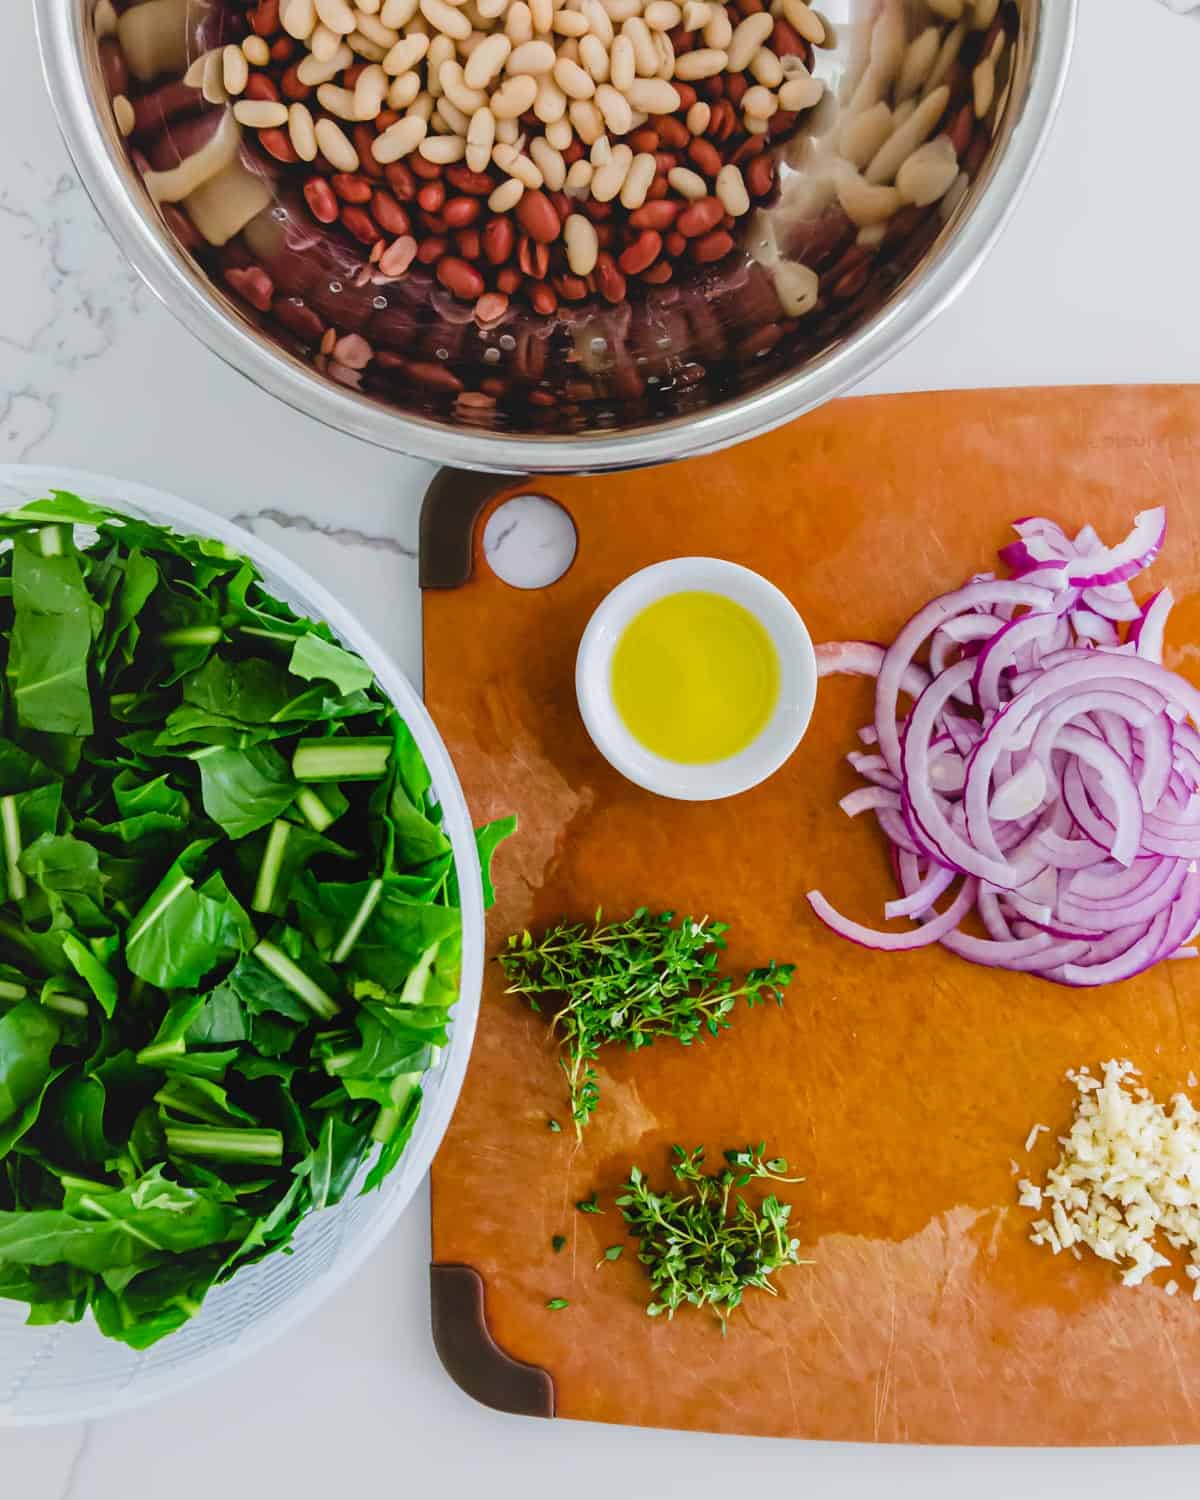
{"x":431,"y":197}
{"x":282,"y":49}
{"x":261,"y":86}
{"x":675,"y":243}
{"x":659,"y":215}
{"x":706,"y":157}
{"x":474,"y":184}
{"x":491,"y":307}
{"x":786,"y":41}
{"x":508,"y":280}
{"x":385,"y":119}
{"x":760,"y":175}
{"x":114,"y":67}
{"x":275,"y":143}
{"x":610,"y":282}
{"x":322,"y":203}
{"x":537,"y":217}
{"x":460,"y":277}
{"x":735,"y":87}
{"x":264,"y":18}
{"x":712,"y":247}
{"x":660,"y":274}
{"x":174,"y":101}
{"x":659,"y":188}
{"x":687,"y":94}
{"x":851,"y":283}
{"x":571,"y":288}
{"x":643,"y":252}
{"x":364,"y":139}
{"x":388,"y":214}
{"x":181,"y":226}
{"x":597,"y":212}
{"x":722,"y":122}
{"x":435,"y":377}
{"x":401,"y":181}
{"x":671,"y":132}
{"x":960,"y":129}
{"x":298,"y":318}
{"x":573,"y":152}
{"x":713,"y":88}
{"x":350,"y":187}
{"x":664,"y":161}
{"x":429,"y":170}
{"x":543,"y":299}
{"x":432,"y":250}
{"x":252,"y":283}
{"x":360,"y":224}
{"x":563,"y":206}
{"x":353,"y":73}
{"x":494,"y":386}
{"x":781,"y":123}
{"x":398,"y":256}
{"x":291,"y":85}
{"x":433,"y":222}
{"x":699,"y":217}
{"x":459,"y":213}
{"x":605,"y":234}
{"x":498,"y":239}
{"x":977,"y":151}
{"x":470,"y":244}
{"x":753,"y":145}
{"x":533,"y":258}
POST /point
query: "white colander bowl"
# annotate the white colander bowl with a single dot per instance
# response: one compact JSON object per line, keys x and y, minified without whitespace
{"x":67,"y":1373}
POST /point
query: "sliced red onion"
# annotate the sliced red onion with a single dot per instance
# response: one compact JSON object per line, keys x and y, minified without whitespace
{"x":1048,"y":758}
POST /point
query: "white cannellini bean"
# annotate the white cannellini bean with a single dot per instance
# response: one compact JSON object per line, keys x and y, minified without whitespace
{"x":703,"y":62}
{"x":365,"y":47}
{"x":949,"y":10}
{"x":212,"y":84}
{"x":397,"y":13}
{"x":801,"y":90}
{"x":687,"y":184}
{"x":731,"y":190}
{"x":748,"y":37}
{"x":601,"y":153}
{"x":481,"y":137}
{"x":541,"y":12}
{"x":798,"y":288}
{"x":574,"y":81}
{"x":766,"y":68}
{"x":864,"y":202}
{"x":299,"y":18}
{"x":337,"y":15}
{"x":621,"y":10}
{"x":336,"y":147}
{"x":406,"y":54}
{"x":621,"y":63}
{"x":312,"y":72}
{"x":559,"y":133}
{"x":104,"y":19}
{"x":666,"y":55}
{"x":644,"y":53}
{"x":403,"y":90}
{"x":587,"y":120}
{"x":653,"y":95}
{"x":302,"y":133}
{"x":905,"y":138}
{"x":753,"y":125}
{"x":453,"y":119}
{"x":984,"y":14}
{"x":549,"y":163}
{"x":614,"y":106}
{"x":698,"y":117}
{"x":517,"y":165}
{"x":235,"y":70}
{"x":507,"y":131}
{"x":607,"y":181}
{"x":569,"y":23}
{"x":506,"y":196}
{"x":324,"y":43}
{"x":370,"y":91}
{"x":983,"y":86}
{"x":454,"y":87}
{"x":421,"y":108}
{"x":801,"y":17}
{"x":551,"y":102}
{"x":375,"y":31}
{"x":400,"y":139}
{"x":367,"y":7}
{"x":518,"y":23}
{"x":696,"y":15}
{"x":599,"y":21}
{"x":441,"y":49}
{"x":860,"y":136}
{"x":514,"y":97}
{"x":257,"y":50}
{"x":928,"y":173}
{"x":447,"y":19}
{"x":662,"y":15}
{"x":443,"y":149}
{"x":582,"y":244}
{"x":487,"y":61}
{"x":579,"y":178}
{"x":594,"y":57}
{"x":124,"y":116}
{"x":338,"y":101}
{"x":637,"y":182}
{"x":262,"y":114}
{"x":947,"y":56}
{"x":919,"y":58}
{"x":718,"y":29}
{"x":534,"y":58}
{"x":759,"y":103}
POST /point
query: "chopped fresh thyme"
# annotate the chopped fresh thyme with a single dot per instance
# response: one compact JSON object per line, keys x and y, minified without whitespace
{"x":612,"y":1253}
{"x":706,"y":1245}
{"x":554,"y":1126}
{"x":589,"y":1205}
{"x":630,"y":982}
{"x":556,"y":1304}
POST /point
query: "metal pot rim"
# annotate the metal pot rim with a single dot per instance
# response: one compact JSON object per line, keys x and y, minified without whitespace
{"x":194,"y":301}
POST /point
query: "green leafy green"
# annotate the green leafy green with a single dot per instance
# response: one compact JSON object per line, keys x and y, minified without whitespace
{"x":629,"y":982}
{"x":230,"y":939}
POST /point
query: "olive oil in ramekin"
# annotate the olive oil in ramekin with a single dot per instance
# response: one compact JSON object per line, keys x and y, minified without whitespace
{"x":695,"y":677}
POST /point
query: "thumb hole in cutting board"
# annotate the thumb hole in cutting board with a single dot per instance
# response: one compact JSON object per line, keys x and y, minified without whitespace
{"x":530,"y":541}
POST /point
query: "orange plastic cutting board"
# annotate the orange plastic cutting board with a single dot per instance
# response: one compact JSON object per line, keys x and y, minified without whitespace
{"x":902,"y":1087}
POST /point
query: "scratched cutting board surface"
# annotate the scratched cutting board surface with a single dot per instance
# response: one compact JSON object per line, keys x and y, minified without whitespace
{"x":902,"y":1087}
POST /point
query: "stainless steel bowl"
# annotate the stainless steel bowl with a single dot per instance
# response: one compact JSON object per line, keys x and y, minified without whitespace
{"x":674,"y":374}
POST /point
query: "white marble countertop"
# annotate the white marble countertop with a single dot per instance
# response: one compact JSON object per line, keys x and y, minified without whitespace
{"x":1093,"y":282}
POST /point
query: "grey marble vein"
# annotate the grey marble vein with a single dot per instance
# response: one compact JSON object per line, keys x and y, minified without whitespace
{"x":343,"y":536}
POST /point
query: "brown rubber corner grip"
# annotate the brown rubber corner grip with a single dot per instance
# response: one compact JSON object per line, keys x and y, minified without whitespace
{"x":472,"y":1357}
{"x":452,"y":505}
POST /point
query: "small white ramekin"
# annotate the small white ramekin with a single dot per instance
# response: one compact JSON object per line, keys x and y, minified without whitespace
{"x":797,"y":679}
